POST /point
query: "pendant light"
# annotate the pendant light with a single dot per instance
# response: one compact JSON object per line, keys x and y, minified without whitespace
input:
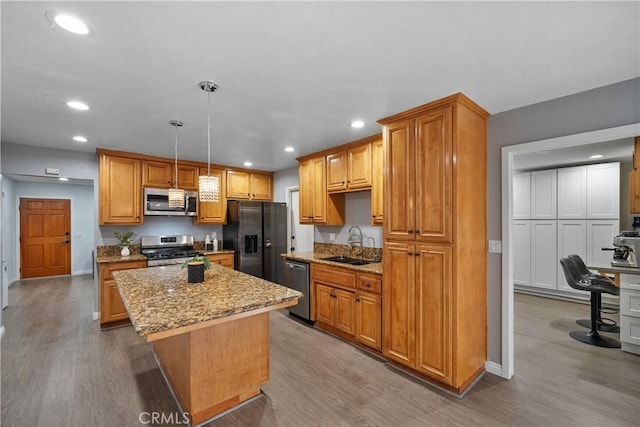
{"x":208,"y":186}
{"x":176,"y":195}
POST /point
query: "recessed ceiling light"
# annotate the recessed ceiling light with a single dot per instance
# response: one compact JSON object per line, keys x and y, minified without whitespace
{"x":595,"y":156}
{"x":67,"y":22}
{"x":79,"y":138}
{"x":248,"y":164}
{"x":63,"y":179}
{"x":357,"y":124}
{"x":77,"y":105}
{"x":289,"y":149}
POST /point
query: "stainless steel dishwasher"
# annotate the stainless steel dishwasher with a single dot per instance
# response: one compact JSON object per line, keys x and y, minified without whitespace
{"x":296,"y":276}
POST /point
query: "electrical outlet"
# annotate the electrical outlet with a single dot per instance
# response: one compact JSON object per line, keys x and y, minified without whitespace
{"x":495,"y":246}
{"x":332,"y":237}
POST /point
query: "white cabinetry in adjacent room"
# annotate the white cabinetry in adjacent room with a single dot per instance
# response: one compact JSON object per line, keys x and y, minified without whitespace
{"x":600,"y":234}
{"x":522,"y":196}
{"x":522,"y":253}
{"x":603,"y":191}
{"x":572,"y":239}
{"x":572,"y":193}
{"x":544,"y":194}
{"x":543,"y":254}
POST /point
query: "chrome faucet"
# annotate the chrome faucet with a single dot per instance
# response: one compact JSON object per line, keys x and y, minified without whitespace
{"x":374,"y":254}
{"x":351,"y":241}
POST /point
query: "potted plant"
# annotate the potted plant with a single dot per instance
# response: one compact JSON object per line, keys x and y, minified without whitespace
{"x":124,"y":240}
{"x":196,"y":267}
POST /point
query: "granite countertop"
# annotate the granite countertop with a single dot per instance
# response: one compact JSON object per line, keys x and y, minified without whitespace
{"x":219,"y":251}
{"x":118,"y":258}
{"x":160,"y":299}
{"x":375,"y":267}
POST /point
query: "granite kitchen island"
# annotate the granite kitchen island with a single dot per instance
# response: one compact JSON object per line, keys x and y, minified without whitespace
{"x":211,"y":339}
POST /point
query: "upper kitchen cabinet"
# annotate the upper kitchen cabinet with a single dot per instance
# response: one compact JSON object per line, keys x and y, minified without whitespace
{"x":316,"y":205}
{"x":603,"y":191}
{"x":213,"y":212}
{"x":544,"y":194}
{"x":377,"y":182}
{"x":120,"y":192}
{"x":242,"y":185}
{"x":158,"y":174}
{"x":522,"y":195}
{"x":350,"y":170}
{"x":572,"y":193}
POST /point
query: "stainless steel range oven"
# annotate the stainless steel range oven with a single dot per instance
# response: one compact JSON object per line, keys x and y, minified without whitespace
{"x":167,"y":250}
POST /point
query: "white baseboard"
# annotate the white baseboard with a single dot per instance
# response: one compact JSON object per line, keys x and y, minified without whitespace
{"x":95,"y":315}
{"x":80,"y":272}
{"x":493,"y":368}
{"x":1,"y":331}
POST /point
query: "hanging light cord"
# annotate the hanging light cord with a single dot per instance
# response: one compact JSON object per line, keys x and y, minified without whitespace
{"x":176,"y":159}
{"x":208,"y":133}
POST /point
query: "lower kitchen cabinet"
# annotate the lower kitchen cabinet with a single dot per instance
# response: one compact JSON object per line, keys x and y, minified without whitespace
{"x":348,"y":304}
{"x":112,"y":309}
{"x":224,"y":259}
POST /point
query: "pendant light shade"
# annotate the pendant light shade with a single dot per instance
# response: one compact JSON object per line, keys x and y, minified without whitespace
{"x":176,"y":195}
{"x":208,"y":186}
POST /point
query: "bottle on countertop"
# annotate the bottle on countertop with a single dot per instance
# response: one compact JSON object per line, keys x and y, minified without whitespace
{"x":215,"y":242}
{"x":207,"y":243}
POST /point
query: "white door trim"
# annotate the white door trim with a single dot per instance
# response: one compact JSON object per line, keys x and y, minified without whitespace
{"x":508,"y":153}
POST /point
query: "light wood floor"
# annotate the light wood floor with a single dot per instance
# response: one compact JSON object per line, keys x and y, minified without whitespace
{"x":59,"y":370}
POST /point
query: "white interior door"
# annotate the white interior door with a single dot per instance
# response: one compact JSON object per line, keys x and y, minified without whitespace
{"x":300,"y":237}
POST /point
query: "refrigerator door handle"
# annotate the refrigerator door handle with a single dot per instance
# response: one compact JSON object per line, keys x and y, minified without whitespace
{"x":267,"y":243}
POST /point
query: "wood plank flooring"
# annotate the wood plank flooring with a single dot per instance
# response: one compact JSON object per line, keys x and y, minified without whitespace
{"x":58,"y":369}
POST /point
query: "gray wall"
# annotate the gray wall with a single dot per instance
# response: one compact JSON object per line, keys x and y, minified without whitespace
{"x":600,"y":108}
{"x":282,"y":180}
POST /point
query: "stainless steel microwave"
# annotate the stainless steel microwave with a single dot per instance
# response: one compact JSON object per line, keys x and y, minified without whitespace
{"x":156,"y":202}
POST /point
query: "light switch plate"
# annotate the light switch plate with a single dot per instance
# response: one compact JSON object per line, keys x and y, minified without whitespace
{"x":332,"y":237}
{"x":495,"y":246}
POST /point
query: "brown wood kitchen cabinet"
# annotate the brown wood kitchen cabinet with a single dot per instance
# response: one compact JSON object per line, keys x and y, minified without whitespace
{"x":434,"y":297}
{"x":112,"y":309}
{"x":224,"y":259}
{"x":243,"y":185}
{"x":349,"y":170}
{"x":158,"y":174}
{"x":348,"y":304}
{"x":120,"y":192}
{"x":377,"y":182}
{"x":316,"y":205}
{"x":213,"y":212}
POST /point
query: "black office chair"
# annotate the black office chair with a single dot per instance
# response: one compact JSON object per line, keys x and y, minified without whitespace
{"x":604,"y":324}
{"x":596,"y":286}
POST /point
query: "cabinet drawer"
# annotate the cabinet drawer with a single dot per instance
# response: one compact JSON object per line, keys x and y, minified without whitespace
{"x":630,"y":302}
{"x":225,"y":260}
{"x":106,"y":270}
{"x":630,"y":329}
{"x":630,"y":281}
{"x":369,"y":282}
{"x":333,"y":276}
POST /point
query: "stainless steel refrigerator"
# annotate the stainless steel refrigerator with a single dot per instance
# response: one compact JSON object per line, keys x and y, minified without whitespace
{"x":257,"y":232}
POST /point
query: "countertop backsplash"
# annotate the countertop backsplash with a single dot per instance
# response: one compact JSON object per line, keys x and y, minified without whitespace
{"x":337,"y":249}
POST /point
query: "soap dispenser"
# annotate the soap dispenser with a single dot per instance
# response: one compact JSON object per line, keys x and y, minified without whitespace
{"x":215,"y":242}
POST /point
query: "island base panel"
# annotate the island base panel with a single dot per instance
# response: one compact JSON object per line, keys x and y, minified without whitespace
{"x":214,"y":369}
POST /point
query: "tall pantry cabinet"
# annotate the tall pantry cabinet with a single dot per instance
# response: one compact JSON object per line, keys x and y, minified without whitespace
{"x":434,"y":297}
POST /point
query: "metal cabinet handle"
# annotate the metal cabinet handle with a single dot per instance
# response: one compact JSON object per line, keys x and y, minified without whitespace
{"x":410,"y":253}
{"x":366,"y":285}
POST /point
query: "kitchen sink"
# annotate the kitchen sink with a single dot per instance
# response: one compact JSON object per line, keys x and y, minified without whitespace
{"x":347,"y":260}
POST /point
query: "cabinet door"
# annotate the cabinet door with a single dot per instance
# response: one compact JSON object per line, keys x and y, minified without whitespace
{"x":603,"y":191}
{"x":359,"y":167}
{"x":369,"y":319}
{"x":345,"y":305}
{"x":522,"y":195}
{"x":261,"y":187}
{"x":543,"y":254}
{"x":399,"y":184}
{"x":238,"y":185}
{"x":377,"y":182}
{"x":112,"y":308}
{"x":600,"y":235}
{"x":572,"y":193}
{"x":325,"y":304}
{"x":572,"y":239}
{"x":211,"y":212}
{"x":120,"y":191}
{"x":116,"y":310}
{"x":319,"y":190}
{"x":305,"y":175}
{"x":522,"y":253}
{"x":544,"y":194}
{"x":157,"y":174}
{"x":434,"y":304}
{"x":337,"y":172}
{"x":434,"y":176}
{"x":398,"y":303}
{"x":187,"y":177}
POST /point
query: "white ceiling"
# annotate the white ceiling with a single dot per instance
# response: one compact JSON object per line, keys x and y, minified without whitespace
{"x":291,"y":73}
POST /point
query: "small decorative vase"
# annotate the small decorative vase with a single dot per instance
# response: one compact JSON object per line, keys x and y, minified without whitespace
{"x":195,"y":272}
{"x":125,"y":251}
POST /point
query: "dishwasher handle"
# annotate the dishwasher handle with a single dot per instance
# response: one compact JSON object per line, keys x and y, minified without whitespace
{"x":295,"y":266}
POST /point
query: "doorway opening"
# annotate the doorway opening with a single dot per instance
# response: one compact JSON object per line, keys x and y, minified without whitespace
{"x":299,"y":236}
